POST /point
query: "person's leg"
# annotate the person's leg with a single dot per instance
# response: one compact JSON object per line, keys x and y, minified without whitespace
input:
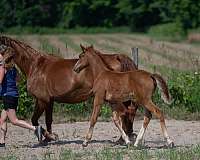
{"x":3,"y":127}
{"x":15,"y":121}
{"x":38,"y":130}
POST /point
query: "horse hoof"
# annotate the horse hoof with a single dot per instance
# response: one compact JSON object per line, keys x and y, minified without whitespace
{"x":120,"y":141}
{"x":132,"y":137}
{"x":128,"y":144}
{"x":51,"y":137}
{"x":55,"y":136}
{"x":85,"y":144}
{"x":171,"y":145}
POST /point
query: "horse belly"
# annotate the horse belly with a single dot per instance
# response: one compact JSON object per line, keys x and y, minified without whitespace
{"x":74,"y":96}
{"x":119,"y":96}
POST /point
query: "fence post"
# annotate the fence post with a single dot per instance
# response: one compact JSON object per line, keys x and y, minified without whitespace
{"x":134,"y":53}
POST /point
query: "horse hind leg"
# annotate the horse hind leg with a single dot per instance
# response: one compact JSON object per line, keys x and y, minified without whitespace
{"x":147,"y":118}
{"x":118,"y":123}
{"x":154,"y":109}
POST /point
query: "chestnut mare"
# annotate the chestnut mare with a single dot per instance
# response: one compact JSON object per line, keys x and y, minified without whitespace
{"x":51,"y":78}
{"x":112,"y":86}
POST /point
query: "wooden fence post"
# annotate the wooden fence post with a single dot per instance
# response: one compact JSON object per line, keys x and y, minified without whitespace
{"x":134,"y":53}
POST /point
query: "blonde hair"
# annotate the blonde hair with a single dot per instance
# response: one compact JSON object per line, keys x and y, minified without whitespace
{"x":7,"y":54}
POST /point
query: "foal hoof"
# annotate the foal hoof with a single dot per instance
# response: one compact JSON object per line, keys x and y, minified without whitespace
{"x":128,"y":144}
{"x":171,"y":145}
{"x":120,"y":141}
{"x":132,"y":137}
{"x":85,"y":144}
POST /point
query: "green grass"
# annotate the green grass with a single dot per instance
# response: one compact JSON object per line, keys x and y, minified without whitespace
{"x":134,"y":154}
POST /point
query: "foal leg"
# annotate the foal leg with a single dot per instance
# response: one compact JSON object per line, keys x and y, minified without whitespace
{"x":147,"y":118}
{"x":98,"y":101}
{"x":153,"y":108}
{"x":118,"y":124}
{"x":127,"y":121}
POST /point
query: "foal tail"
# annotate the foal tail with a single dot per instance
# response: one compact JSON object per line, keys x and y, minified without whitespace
{"x":162,"y":85}
{"x":127,"y":64}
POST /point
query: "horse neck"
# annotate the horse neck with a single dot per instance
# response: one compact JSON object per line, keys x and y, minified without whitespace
{"x":24,"y":57}
{"x":97,"y":65}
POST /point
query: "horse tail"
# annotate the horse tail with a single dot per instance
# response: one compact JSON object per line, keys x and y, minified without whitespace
{"x":127,"y":64}
{"x":162,"y":85}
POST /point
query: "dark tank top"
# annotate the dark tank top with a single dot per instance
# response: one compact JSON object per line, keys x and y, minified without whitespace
{"x":9,"y":86}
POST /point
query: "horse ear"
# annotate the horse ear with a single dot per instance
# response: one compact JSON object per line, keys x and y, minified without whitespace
{"x":82,"y":47}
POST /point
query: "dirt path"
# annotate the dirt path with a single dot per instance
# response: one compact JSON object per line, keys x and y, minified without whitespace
{"x":22,"y":143}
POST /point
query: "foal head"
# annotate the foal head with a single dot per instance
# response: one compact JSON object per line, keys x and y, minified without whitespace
{"x":83,"y":58}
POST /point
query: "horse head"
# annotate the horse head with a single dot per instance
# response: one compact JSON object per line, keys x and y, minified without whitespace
{"x":83,"y":60}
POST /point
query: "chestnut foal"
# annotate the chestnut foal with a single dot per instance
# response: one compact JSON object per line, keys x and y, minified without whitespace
{"x":137,"y":86}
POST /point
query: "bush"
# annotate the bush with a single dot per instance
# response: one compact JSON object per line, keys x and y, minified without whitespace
{"x":25,"y":106}
{"x":168,"y":31}
{"x":185,"y":88}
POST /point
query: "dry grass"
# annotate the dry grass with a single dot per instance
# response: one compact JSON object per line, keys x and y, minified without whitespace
{"x":183,"y":56}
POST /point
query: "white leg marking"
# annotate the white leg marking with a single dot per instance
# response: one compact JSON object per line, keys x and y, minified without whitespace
{"x":140,"y":136}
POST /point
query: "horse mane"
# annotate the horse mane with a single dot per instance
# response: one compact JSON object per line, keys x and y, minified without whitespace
{"x":127,"y":64}
{"x":100,"y":55}
{"x":9,"y":42}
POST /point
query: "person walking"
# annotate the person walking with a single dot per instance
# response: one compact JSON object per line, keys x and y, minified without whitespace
{"x":10,"y":95}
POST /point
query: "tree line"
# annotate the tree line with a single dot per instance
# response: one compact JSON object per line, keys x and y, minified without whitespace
{"x":138,"y":14}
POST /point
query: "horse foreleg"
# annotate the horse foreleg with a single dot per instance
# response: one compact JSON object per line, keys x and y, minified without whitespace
{"x":98,"y":101}
{"x":118,"y":123}
{"x":49,"y":116}
{"x":129,"y":119}
{"x":147,"y":118}
{"x":39,"y":109}
{"x":48,"y":120}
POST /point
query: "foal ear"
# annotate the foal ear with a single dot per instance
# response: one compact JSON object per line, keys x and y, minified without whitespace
{"x":83,"y":48}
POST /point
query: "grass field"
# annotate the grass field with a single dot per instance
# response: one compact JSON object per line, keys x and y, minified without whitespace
{"x":180,"y":56}
{"x":123,"y":153}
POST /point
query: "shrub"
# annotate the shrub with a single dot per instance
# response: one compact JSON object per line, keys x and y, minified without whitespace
{"x":184,"y":88}
{"x":25,"y":106}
